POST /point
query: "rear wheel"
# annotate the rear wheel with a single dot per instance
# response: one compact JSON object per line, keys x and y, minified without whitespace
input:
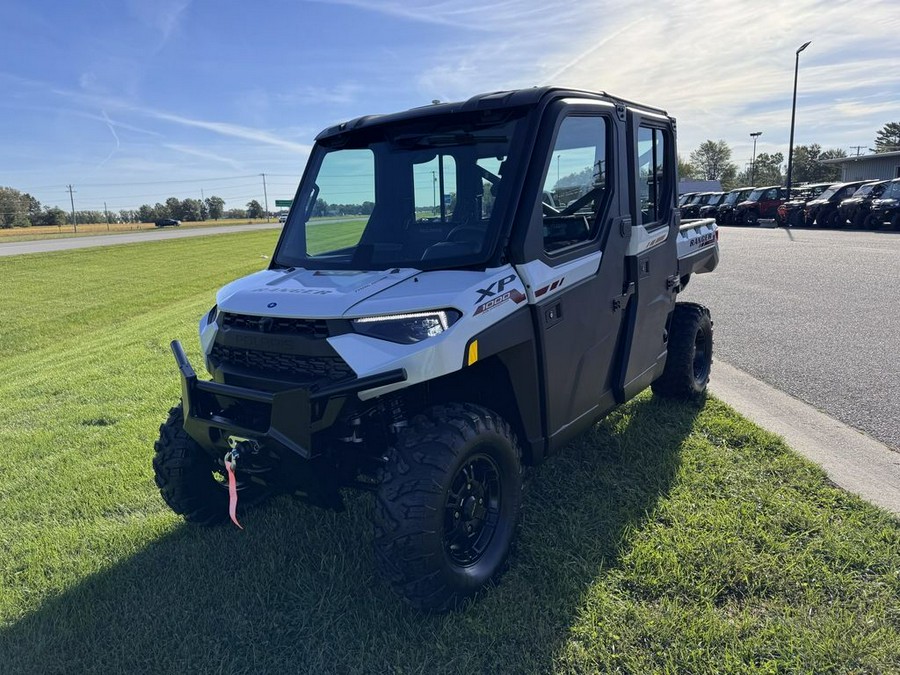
{"x":190,"y":481}
{"x":448,"y":505}
{"x":872,"y":223}
{"x":690,"y":348}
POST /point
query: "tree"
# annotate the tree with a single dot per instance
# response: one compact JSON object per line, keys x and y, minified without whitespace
{"x":320,"y":208}
{"x":173,"y":207}
{"x":767,"y":171}
{"x":254,"y":209}
{"x":888,"y":138}
{"x":235,"y":214}
{"x":17,"y":209}
{"x":685,"y":169}
{"x":55,"y":216}
{"x":189,"y":210}
{"x":216,"y":206}
{"x":808,"y":168}
{"x":712,"y":161}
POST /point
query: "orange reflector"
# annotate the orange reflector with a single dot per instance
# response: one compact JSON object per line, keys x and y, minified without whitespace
{"x":473,"y":353}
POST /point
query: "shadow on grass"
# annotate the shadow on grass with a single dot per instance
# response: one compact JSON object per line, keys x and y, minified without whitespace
{"x":296,"y":591}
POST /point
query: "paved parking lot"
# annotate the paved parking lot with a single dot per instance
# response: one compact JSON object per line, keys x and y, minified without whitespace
{"x":815,"y":313}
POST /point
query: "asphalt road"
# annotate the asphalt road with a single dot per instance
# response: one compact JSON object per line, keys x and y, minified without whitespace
{"x":816,"y":314}
{"x":65,"y":244}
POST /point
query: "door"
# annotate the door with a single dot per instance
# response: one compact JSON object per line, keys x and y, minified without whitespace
{"x":652,"y":258}
{"x":575,"y":250}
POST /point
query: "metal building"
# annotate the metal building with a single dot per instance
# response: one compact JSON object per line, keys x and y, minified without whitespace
{"x":880,"y":166}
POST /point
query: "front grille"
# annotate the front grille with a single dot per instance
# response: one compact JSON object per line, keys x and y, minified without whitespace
{"x":306,"y":368}
{"x":310,"y":328}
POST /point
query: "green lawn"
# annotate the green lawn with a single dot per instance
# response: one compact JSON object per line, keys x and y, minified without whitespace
{"x":673,"y":538}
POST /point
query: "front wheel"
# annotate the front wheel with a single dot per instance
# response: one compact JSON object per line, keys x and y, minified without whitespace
{"x":751,"y":218}
{"x":689,"y":361}
{"x":190,"y":481}
{"x":448,"y":505}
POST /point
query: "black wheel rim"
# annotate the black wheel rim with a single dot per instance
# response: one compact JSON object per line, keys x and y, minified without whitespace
{"x":701,"y":357}
{"x":472,"y":510}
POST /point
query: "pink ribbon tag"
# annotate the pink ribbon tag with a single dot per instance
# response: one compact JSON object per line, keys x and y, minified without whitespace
{"x":232,"y":491}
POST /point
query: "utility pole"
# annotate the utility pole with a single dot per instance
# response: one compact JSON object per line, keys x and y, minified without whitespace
{"x":202,"y":202}
{"x":72,"y":201}
{"x":106,"y":211}
{"x":858,"y":148}
{"x":266,"y":195}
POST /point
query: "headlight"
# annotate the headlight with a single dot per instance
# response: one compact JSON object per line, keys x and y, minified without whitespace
{"x":409,"y":328}
{"x":209,"y":317}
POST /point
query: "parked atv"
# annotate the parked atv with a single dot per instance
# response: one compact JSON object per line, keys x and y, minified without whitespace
{"x":725,"y":211}
{"x":857,"y":208}
{"x":761,"y":203}
{"x":426,"y":352}
{"x":792,"y":212}
{"x":886,"y":209}
{"x":699,"y":202}
{"x":823,"y":211}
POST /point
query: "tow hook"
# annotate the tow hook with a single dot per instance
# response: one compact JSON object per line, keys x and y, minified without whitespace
{"x":238,"y":446}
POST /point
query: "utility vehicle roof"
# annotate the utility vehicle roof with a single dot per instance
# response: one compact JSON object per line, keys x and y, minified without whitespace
{"x":493,"y":100}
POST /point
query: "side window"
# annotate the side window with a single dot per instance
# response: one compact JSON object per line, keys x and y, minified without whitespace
{"x":652,"y":176}
{"x":577,"y":183}
{"x":771,"y":194}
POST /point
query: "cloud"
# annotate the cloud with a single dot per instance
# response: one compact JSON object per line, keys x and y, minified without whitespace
{"x":227,"y":129}
{"x":204,"y":154}
{"x":161,"y":15}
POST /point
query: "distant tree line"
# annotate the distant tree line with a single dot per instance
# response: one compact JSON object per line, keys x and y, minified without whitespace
{"x":323,"y":208}
{"x":712,"y":161}
{"x":20,"y":209}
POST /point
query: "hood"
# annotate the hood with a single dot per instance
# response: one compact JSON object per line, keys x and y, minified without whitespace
{"x":314,"y":294}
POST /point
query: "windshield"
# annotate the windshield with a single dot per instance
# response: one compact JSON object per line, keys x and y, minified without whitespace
{"x":830,"y":192}
{"x":863,"y":190}
{"x":755,"y":195}
{"x":424,"y":193}
{"x":892,"y":192}
{"x":696,"y":199}
{"x":714,"y":199}
{"x":731,"y":197}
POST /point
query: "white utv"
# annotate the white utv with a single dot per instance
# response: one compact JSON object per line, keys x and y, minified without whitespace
{"x":459,"y":290}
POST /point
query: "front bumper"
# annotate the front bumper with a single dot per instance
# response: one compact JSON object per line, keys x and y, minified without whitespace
{"x":214,"y":411}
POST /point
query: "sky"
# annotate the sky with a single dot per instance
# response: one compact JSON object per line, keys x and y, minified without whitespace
{"x":134,"y":101}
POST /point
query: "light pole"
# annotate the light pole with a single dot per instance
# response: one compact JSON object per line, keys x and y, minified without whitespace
{"x":755,"y":135}
{"x":793,"y":114}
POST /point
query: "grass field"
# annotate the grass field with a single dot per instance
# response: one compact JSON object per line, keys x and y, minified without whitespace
{"x":673,"y":538}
